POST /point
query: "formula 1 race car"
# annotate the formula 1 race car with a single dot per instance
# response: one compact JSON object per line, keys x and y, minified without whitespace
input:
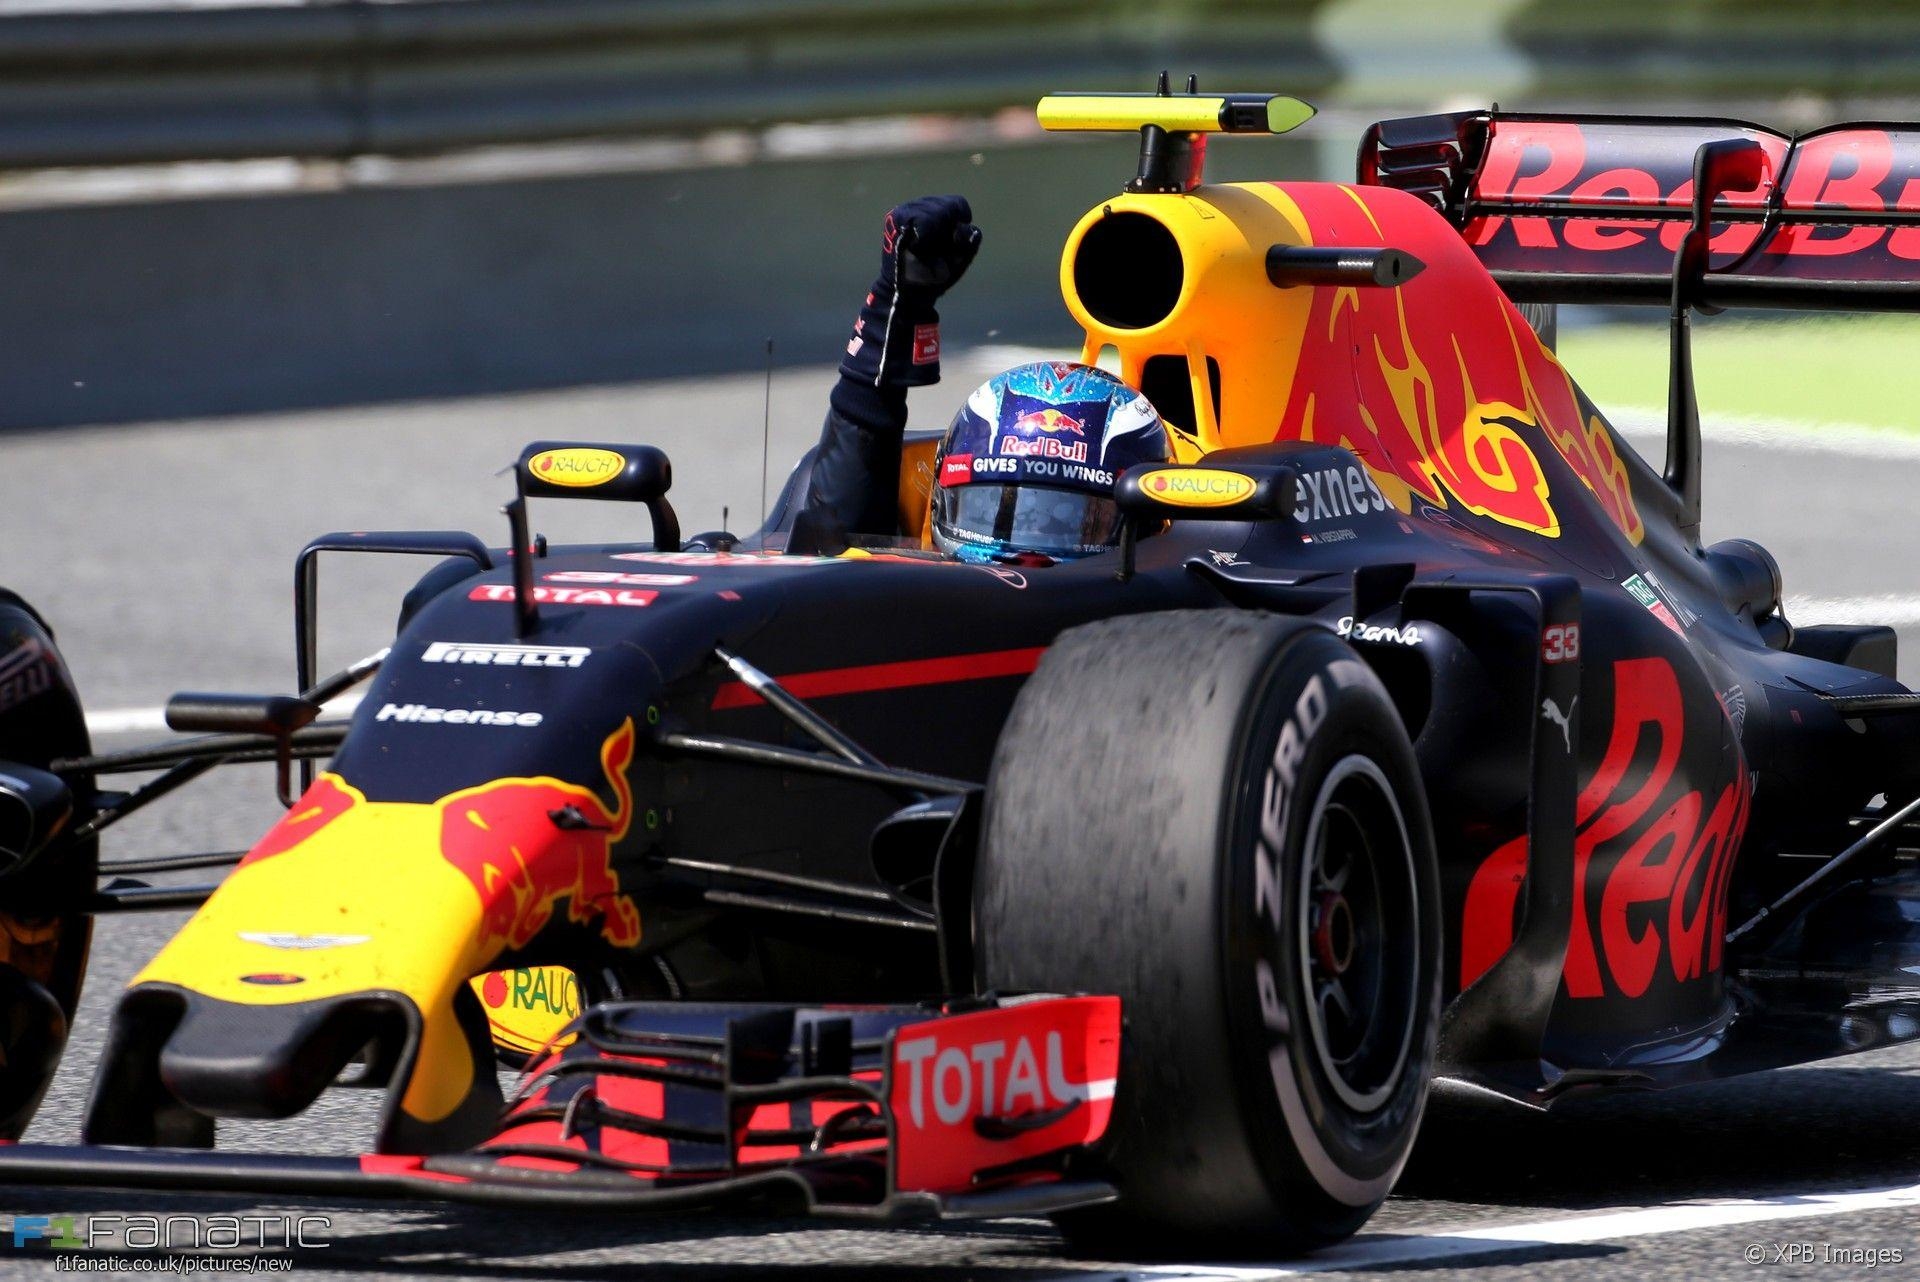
{"x":1409,"y":737}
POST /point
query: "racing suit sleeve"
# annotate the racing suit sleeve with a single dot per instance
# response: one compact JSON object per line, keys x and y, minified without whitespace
{"x":926,"y":245}
{"x":856,"y":471}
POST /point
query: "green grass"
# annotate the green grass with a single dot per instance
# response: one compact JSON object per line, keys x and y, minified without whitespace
{"x":1790,"y":370}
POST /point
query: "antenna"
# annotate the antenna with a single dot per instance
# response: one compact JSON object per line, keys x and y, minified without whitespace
{"x":766,"y":442}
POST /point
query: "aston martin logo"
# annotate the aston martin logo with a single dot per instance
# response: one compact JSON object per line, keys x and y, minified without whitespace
{"x":303,"y":943}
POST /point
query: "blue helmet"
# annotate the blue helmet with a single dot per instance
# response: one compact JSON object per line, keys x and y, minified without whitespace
{"x":1028,"y":464}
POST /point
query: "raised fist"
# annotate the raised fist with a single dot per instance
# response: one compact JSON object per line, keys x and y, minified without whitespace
{"x":926,"y":245}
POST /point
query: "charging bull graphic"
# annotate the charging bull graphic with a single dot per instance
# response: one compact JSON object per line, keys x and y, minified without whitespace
{"x":527,"y":843}
{"x":523,"y":844}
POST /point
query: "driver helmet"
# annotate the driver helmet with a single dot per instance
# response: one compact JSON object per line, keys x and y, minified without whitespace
{"x":1029,"y":462}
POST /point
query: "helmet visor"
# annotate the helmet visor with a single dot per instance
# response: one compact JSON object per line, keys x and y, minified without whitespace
{"x":1027,"y":518}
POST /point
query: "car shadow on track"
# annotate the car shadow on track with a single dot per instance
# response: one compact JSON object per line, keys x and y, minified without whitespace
{"x":1803,"y":1130}
{"x":438,"y":1240}
{"x":1797,"y":1131}
{"x":442,"y":1241}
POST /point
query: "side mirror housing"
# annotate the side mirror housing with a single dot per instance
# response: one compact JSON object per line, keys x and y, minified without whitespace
{"x":591,"y":470}
{"x":1207,"y":492}
{"x":1220,"y":491}
{"x":582,"y":470}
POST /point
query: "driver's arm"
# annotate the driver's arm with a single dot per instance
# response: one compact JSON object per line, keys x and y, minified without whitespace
{"x":925,"y":247}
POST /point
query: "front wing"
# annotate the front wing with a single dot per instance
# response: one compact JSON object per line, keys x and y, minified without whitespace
{"x":982,"y":1108}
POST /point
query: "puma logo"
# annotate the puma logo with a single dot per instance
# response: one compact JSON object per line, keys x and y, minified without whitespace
{"x":1551,"y":711}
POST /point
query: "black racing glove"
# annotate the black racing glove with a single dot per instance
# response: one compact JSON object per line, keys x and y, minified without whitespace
{"x":926,"y":247}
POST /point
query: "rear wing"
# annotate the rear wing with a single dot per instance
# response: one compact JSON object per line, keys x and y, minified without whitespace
{"x":1594,"y":208}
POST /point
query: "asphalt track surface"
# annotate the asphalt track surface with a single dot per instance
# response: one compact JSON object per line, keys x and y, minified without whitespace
{"x":163,"y":554}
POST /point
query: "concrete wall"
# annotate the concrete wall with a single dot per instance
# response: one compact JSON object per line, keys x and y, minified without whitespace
{"x":203,"y":307}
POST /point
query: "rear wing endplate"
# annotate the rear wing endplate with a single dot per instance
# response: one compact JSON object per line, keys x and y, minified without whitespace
{"x":1592,"y":208}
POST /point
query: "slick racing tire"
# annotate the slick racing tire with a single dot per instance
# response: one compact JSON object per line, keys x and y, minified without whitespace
{"x":45,"y":933}
{"x":1216,"y":816}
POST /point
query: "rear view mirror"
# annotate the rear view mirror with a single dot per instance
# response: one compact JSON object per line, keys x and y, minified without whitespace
{"x":577,"y":470}
{"x":585,"y":470}
{"x":1157,"y":492}
{"x":1245,"y":492}
{"x":34,"y":808}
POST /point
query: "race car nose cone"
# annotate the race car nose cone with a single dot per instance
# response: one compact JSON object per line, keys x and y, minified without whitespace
{"x":176,"y":1058}
{"x":230,"y":1060}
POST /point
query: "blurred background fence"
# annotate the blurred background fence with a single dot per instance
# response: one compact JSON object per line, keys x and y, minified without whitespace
{"x":83,"y":85}
{"x":342,"y":79}
{"x":210,"y":208}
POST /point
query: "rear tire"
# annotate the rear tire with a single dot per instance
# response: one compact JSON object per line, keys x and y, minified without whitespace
{"x":1280,"y":994}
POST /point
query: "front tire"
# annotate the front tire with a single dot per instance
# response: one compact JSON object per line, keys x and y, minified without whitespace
{"x":45,"y":931}
{"x":1217,"y":816}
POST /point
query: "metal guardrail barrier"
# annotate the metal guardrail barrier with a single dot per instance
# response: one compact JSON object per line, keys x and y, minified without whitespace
{"x":348,"y":78}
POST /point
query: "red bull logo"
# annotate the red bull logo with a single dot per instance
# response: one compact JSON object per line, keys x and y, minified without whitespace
{"x":1044,"y":447}
{"x":503,"y":837}
{"x":1048,"y":420}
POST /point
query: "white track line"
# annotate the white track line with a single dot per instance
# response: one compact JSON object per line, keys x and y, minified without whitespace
{"x":1892,"y":608}
{"x":126,"y":721}
{"x":1607,"y":1226}
{"x":1855,"y":440}
{"x":150,"y":720}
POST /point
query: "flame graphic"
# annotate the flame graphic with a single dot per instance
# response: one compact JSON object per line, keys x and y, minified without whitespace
{"x":1449,"y":412}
